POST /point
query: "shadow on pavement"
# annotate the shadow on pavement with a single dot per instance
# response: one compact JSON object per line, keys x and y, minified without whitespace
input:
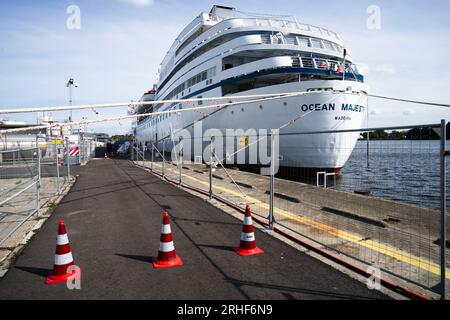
{"x":135,"y":257}
{"x":36,"y":271}
{"x":326,"y":294}
{"x":224,"y":248}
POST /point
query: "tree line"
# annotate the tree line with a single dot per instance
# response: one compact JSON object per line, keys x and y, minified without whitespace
{"x":425,"y":133}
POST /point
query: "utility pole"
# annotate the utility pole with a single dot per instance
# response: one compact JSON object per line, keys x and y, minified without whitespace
{"x":70,"y":84}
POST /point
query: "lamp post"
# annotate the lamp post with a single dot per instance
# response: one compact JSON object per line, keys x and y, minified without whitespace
{"x":70,"y":84}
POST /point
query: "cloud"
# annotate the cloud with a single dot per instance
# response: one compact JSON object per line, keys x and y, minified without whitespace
{"x":385,"y":68}
{"x":139,"y":3}
{"x":409,"y":112}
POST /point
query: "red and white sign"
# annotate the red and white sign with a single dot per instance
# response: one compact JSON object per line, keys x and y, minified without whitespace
{"x":74,"y":151}
{"x":55,"y":131}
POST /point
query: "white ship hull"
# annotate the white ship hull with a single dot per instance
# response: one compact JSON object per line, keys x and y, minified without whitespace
{"x":321,"y":151}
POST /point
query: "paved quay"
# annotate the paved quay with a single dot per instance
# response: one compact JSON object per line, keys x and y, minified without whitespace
{"x":113,"y":216}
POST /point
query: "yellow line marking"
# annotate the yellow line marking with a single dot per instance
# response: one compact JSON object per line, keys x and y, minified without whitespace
{"x":370,"y":244}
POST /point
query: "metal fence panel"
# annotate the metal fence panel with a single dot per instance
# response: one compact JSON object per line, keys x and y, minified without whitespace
{"x":382,"y":209}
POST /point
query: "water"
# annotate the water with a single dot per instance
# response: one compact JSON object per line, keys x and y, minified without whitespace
{"x":407,"y":171}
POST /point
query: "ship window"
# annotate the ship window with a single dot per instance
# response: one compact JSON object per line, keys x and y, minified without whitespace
{"x":259,"y":82}
{"x":316,"y":43}
{"x":200,"y":102}
{"x":328,"y":45}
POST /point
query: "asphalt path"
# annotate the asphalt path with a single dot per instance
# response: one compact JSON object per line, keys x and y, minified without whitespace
{"x":113,"y":216}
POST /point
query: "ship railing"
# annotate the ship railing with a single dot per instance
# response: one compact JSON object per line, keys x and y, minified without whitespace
{"x":320,"y":63}
{"x":281,"y":22}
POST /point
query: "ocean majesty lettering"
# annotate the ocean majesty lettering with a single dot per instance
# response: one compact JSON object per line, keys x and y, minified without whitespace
{"x":318,"y":107}
{"x":354,"y":108}
{"x":332,"y":107}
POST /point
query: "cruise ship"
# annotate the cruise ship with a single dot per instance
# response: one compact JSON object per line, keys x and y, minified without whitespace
{"x":226,"y":53}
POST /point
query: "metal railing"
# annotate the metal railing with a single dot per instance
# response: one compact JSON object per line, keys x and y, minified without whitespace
{"x":323,"y":64}
{"x":19,"y":189}
{"x":31,"y":178}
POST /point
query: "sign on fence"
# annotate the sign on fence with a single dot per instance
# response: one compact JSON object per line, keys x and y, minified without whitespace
{"x":57,"y":141}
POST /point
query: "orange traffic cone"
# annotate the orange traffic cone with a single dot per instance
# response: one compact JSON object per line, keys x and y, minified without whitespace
{"x":248,"y":243}
{"x":63,"y":258}
{"x":167,"y":257}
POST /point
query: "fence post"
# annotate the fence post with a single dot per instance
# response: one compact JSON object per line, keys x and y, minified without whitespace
{"x":368,"y":152}
{"x":180,"y":160}
{"x":443,"y":209}
{"x":143,"y":154}
{"x":132,"y":152}
{"x":80,"y":148}
{"x":153,"y":156}
{"x":68,"y":158}
{"x":163,"y":158}
{"x":57,"y":166}
{"x":137,"y":153}
{"x":38,"y":185}
{"x":211,"y":152}
{"x":272,"y":180}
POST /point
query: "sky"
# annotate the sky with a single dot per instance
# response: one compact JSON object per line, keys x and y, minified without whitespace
{"x":115,"y":53}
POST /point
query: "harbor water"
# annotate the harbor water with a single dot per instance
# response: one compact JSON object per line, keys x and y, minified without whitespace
{"x":406,"y":171}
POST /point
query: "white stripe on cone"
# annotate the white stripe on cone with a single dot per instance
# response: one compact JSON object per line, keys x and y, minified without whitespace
{"x":62,"y":259}
{"x":248,"y":236}
{"x":165,"y":229}
{"x":166,"y":246}
{"x":247,"y":221}
{"x":62,"y":239}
